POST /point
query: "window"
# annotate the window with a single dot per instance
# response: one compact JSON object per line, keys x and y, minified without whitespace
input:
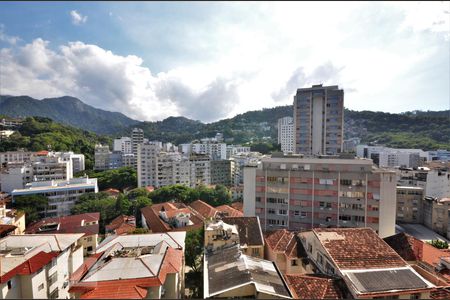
{"x":303,"y":214}
{"x":258,"y":199}
{"x":319,"y":258}
{"x":309,"y":248}
{"x":415,"y":296}
{"x":54,"y":294}
{"x":52,"y":278}
{"x":294,"y":262}
{"x":89,"y":239}
{"x":271,"y":211}
{"x":296,"y":213}
{"x":40,"y":287}
{"x":89,"y":249}
{"x":255,"y":252}
{"x":282,"y":212}
{"x":9,"y":284}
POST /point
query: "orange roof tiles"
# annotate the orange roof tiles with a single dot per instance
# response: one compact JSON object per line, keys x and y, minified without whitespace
{"x":282,"y":241}
{"x":204,"y":209}
{"x":238,"y":206}
{"x":228,"y":211}
{"x":357,"y":248}
{"x":313,"y":287}
{"x":122,"y":224}
{"x":69,"y":224}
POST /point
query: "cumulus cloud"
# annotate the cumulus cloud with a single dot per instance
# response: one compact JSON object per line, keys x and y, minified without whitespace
{"x":323,"y":74}
{"x":112,"y":82}
{"x":7,"y":38}
{"x":77,"y":18}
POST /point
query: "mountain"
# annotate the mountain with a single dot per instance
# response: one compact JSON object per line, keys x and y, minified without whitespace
{"x":66,"y":110}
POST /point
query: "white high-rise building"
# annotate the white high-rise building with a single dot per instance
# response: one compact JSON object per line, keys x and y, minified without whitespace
{"x":216,"y":151}
{"x":123,"y":145}
{"x":137,"y":137}
{"x":319,"y":120}
{"x":147,"y":164}
{"x":286,"y":134}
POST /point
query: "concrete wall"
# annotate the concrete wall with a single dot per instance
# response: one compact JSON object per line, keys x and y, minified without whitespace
{"x":249,"y":191}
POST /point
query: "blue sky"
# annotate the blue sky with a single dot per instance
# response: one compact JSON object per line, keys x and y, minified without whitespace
{"x":211,"y":60}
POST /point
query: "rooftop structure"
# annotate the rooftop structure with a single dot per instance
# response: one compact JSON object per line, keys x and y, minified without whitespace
{"x":229,"y":273}
{"x":121,"y":225}
{"x":314,"y":286}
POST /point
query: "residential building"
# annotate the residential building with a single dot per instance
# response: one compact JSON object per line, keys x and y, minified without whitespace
{"x":76,"y":160}
{"x":105,"y":159}
{"x":319,"y":120}
{"x":302,"y":193}
{"x":235,"y":149}
{"x":286,"y":134}
{"x":223,"y":172}
{"x":215,"y":150}
{"x":392,"y":157}
{"x":123,"y":145}
{"x":46,"y":168}
{"x":409,"y":204}
{"x":61,"y":194}
{"x":168,"y":216}
{"x":15,"y":157}
{"x":434,"y":179}
{"x":313,"y":286}
{"x":147,"y":155}
{"x":237,"y":192}
{"x":15,"y":176}
{"x":228,"y":273}
{"x":121,"y":225}
{"x":441,"y":155}
{"x":251,"y":239}
{"x":38,"y":266}
{"x":204,"y":209}
{"x":436,"y":215}
{"x":242,"y":160}
{"x":368,"y":266}
{"x":12,"y":217}
{"x":87,"y":224}
{"x":284,"y":248}
{"x":228,"y":211}
{"x":4,"y":134}
{"x":137,"y":138}
{"x":129,"y":160}
{"x":200,"y":170}
{"x":349,"y":145}
{"x":137,"y":266}
{"x":220,"y":235}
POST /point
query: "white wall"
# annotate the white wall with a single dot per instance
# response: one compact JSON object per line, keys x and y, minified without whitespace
{"x":388,"y":204}
{"x":249,"y":191}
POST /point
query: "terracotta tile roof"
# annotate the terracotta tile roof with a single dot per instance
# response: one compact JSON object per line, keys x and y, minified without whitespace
{"x":313,"y":287}
{"x":357,"y":248}
{"x":112,"y":192}
{"x":283,"y":241}
{"x":42,"y":153}
{"x":135,"y":288}
{"x":204,"y":209}
{"x":156,"y":224}
{"x":5,"y":229}
{"x":122,"y":224}
{"x":68,"y":224}
{"x":228,"y":211}
{"x":238,"y":206}
{"x":30,"y":266}
{"x":249,"y":229}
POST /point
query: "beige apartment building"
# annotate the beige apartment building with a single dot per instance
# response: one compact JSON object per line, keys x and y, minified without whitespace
{"x":319,"y":120}
{"x":409,"y":204}
{"x":298,"y":193}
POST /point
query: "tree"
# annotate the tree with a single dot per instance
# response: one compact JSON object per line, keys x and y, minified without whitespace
{"x":135,"y":208}
{"x":140,"y":231}
{"x":34,"y":206}
{"x":194,"y":249}
{"x":439,"y":244}
{"x":171,"y":192}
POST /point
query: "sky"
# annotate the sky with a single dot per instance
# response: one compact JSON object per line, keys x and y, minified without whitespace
{"x":212,"y":60}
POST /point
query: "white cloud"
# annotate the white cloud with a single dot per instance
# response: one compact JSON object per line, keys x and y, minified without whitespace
{"x":77,"y":18}
{"x":7,"y":38}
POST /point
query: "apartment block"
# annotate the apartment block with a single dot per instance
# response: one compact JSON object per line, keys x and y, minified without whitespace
{"x":76,"y":160}
{"x":61,"y":194}
{"x":302,"y":193}
{"x":215,"y":150}
{"x":436,"y":215}
{"x":319,"y":120}
{"x":244,"y":159}
{"x":15,"y":157}
{"x":286,"y":134}
{"x":38,"y":266}
{"x":433,"y":178}
{"x":392,"y":157}
{"x":123,"y":145}
{"x":137,"y":138}
{"x":15,"y":176}
{"x":105,"y":159}
{"x":223,"y":172}
{"x":409,"y":204}
{"x":46,"y":168}
{"x":12,"y":218}
{"x":234,"y":149}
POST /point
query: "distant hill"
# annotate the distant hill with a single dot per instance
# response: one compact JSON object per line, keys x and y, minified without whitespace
{"x":66,"y":110}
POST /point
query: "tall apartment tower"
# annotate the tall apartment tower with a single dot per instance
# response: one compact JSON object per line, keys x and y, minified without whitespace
{"x":137,"y":137}
{"x":286,"y":134}
{"x":303,"y":193}
{"x":319,"y":120}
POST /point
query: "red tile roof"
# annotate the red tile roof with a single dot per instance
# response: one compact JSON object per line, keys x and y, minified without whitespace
{"x":5,"y":229}
{"x":282,"y":241}
{"x":228,"y":211}
{"x":204,"y":209}
{"x":121,"y":225}
{"x":358,"y":248}
{"x":313,"y":287}
{"x":238,"y":205}
{"x":156,"y":224}
{"x":69,"y":224}
{"x":112,"y":192}
{"x":30,"y":266}
{"x":126,"y":288}
{"x":42,"y":153}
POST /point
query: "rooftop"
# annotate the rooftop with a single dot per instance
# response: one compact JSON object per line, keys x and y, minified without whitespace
{"x":67,"y":224}
{"x":420,"y":232}
{"x":122,"y":224}
{"x":229,"y":211}
{"x":204,"y":209}
{"x":284,"y":241}
{"x":228,"y":269}
{"x":357,"y":248}
{"x":314,"y":287}
{"x":249,"y":228}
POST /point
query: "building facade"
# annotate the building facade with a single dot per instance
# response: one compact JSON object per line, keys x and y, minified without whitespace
{"x":286,"y":134}
{"x":319,"y":120}
{"x":222,"y":172}
{"x":409,"y":204}
{"x":302,"y":193}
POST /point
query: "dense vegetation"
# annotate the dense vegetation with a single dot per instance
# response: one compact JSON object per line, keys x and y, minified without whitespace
{"x":38,"y":133}
{"x":130,"y":203}
{"x":439,"y":244}
{"x":122,"y":178}
{"x":194,"y":259}
{"x":32,"y":205}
